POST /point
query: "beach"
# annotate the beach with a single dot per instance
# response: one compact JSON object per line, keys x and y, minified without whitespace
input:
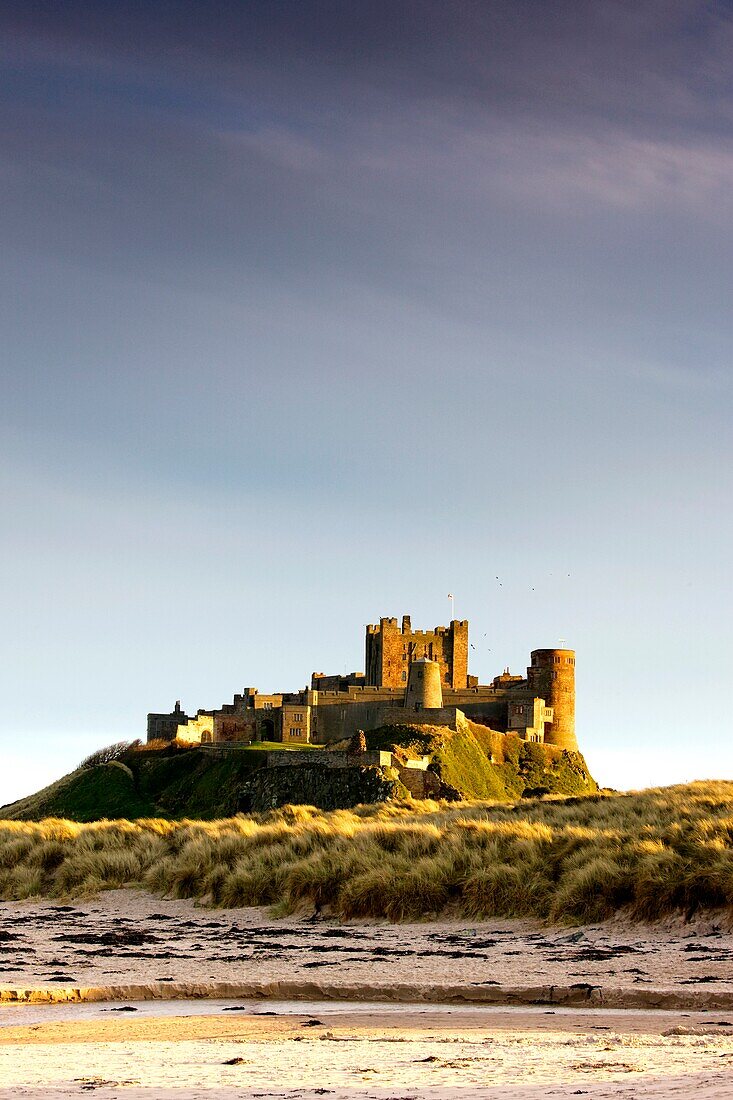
{"x":130,"y":995}
{"x":408,"y":1053}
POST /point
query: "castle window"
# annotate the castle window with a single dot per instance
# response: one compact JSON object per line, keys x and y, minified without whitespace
{"x":297,"y":717}
{"x":404,"y":677}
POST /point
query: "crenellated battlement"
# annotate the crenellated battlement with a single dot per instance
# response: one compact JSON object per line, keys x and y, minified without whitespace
{"x":390,"y":648}
{"x":407,"y":671}
{"x":392,"y":624}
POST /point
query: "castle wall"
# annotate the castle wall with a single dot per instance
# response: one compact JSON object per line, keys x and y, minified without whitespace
{"x":321,"y":682}
{"x":329,"y":759}
{"x":198,"y":730}
{"x":164,"y":727}
{"x":440,"y":716}
{"x":235,"y":727}
{"x":358,"y":695}
{"x":489,"y":705}
{"x":338,"y":715}
{"x":336,"y":722}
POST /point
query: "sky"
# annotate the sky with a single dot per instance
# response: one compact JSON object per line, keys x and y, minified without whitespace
{"x":311,"y":313}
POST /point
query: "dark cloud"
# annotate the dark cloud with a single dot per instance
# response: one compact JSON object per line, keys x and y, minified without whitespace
{"x":637,"y":64}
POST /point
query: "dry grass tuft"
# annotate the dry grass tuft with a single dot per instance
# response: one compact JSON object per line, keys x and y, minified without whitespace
{"x":569,"y":860}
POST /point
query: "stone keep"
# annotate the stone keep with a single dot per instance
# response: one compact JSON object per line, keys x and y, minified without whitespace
{"x":390,"y":649}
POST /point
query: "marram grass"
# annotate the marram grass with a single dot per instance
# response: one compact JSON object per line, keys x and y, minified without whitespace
{"x":567,"y":860}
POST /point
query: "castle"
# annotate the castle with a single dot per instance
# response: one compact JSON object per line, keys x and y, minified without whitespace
{"x":415,"y":677}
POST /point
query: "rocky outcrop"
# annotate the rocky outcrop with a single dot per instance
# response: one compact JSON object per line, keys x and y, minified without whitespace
{"x":316,"y":785}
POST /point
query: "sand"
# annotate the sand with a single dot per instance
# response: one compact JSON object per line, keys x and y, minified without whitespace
{"x":350,"y":1056}
{"x":330,"y":1035}
{"x":127,"y":944}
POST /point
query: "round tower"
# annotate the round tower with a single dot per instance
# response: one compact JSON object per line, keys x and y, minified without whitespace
{"x":551,"y":676}
{"x":424,"y":690}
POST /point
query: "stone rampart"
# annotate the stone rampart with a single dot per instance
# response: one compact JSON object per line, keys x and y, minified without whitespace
{"x":326,"y":758}
{"x":451,"y":717}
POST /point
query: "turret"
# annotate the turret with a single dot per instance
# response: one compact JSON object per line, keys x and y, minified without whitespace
{"x":551,"y":676}
{"x":424,"y":690}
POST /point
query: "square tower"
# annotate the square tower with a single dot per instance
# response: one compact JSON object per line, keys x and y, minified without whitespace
{"x":390,"y":649}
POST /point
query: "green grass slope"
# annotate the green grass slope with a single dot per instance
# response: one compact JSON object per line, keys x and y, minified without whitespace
{"x":79,"y":796}
{"x":171,"y":784}
{"x":477,"y":762}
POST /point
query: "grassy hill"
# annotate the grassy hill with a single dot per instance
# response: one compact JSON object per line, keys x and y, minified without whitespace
{"x":170,"y":783}
{"x":188,"y":782}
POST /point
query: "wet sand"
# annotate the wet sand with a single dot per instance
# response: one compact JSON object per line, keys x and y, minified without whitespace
{"x":411,"y":1053}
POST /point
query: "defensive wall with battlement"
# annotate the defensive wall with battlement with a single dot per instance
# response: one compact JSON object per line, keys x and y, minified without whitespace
{"x":412,"y":676}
